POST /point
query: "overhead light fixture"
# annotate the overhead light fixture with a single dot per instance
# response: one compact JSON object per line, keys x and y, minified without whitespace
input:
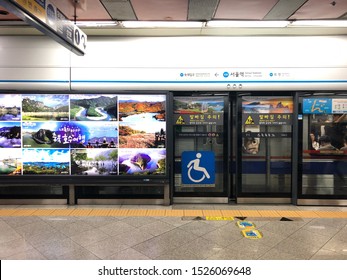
{"x":162,"y":24}
{"x":97,"y":24}
{"x":247,"y":23}
{"x":318,"y":23}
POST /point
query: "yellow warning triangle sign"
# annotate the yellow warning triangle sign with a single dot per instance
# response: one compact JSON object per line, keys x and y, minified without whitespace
{"x":249,"y":120}
{"x":180,"y":120}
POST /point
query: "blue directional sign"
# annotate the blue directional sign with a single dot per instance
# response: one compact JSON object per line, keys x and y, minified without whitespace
{"x":198,"y":167}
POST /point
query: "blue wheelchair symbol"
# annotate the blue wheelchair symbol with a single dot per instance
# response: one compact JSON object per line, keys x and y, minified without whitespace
{"x":198,"y":168}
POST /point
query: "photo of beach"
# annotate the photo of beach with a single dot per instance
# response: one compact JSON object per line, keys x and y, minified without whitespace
{"x":46,"y":161}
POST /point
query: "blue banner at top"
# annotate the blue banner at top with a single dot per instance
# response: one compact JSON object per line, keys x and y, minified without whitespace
{"x":317,"y":106}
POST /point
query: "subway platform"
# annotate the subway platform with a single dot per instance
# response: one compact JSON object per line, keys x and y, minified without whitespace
{"x":177,"y":232}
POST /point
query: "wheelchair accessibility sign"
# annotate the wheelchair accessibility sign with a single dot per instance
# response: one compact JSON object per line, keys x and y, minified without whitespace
{"x":198,"y":168}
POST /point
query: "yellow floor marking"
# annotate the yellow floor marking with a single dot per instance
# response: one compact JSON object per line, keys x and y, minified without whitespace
{"x":80,"y":212}
{"x":308,"y":214}
{"x":6,"y":212}
{"x":43,"y":212}
{"x":289,"y":213}
{"x":62,"y":212}
{"x":171,"y":213}
{"x":118,"y":212}
{"x":269,"y":213}
{"x":212,"y":213}
{"x":174,"y":213}
{"x":99,"y":212}
{"x":23,"y":212}
{"x":136,"y":212}
{"x":231,"y":213}
{"x":156,"y":212}
{"x":250,"y":213}
{"x":193,"y":213}
{"x":328,"y":214}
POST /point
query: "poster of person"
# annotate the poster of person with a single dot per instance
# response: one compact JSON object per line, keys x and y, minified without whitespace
{"x":45,"y":107}
{"x":93,"y":107}
{"x":10,"y":109}
{"x":94,"y":162}
{"x":142,"y":108}
{"x":250,"y":139}
{"x":142,"y":161}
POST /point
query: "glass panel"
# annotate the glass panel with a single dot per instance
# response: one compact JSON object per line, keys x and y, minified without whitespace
{"x":200,"y":152}
{"x":266,"y":145}
{"x":324,"y":154}
{"x":266,"y":160}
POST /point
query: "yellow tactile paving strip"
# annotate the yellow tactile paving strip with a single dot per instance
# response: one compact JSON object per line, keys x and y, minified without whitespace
{"x":172,"y":213}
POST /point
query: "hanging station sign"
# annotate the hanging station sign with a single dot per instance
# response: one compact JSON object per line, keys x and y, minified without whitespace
{"x":47,"y":18}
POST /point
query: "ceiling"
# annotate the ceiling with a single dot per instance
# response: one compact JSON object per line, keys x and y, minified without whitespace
{"x":190,"y":11}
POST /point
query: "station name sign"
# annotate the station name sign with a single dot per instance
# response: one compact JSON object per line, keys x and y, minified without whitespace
{"x":46,"y":17}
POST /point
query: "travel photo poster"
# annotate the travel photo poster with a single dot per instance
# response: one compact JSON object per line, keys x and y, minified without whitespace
{"x":82,"y":134}
{"x":93,"y":107}
{"x":45,"y":107}
{"x":10,"y":109}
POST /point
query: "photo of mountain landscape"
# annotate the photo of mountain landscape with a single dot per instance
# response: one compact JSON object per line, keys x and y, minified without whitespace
{"x":11,"y":162}
{"x":44,"y":107}
{"x":186,"y":105}
{"x":92,"y":107}
{"x":142,"y":108}
{"x":10,"y":135}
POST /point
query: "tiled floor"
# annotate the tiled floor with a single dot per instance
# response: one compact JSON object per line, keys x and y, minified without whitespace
{"x":171,"y":237}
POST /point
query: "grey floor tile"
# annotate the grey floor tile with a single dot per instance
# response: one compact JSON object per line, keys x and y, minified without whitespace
{"x":128,"y":254}
{"x":78,"y":254}
{"x":89,"y":236}
{"x":14,"y":247}
{"x":268,"y":238}
{"x":198,"y":228}
{"x":52,"y":250}
{"x":157,"y":228}
{"x":139,"y":221}
{"x":155,"y":247}
{"x":98,"y":221}
{"x":309,"y":237}
{"x":72,"y":229}
{"x":275,"y":254}
{"x":335,"y":223}
{"x":53,"y":236}
{"x":178,"y":254}
{"x":322,"y":228}
{"x":116,"y":228}
{"x":296,"y":248}
{"x":328,"y":255}
{"x":337,"y":246}
{"x":175,"y":221}
{"x":342,"y":235}
{"x":134,"y":237}
{"x":7,"y":233}
{"x":31,"y":254}
{"x":107,"y":247}
{"x":251,"y":248}
{"x":223,"y":236}
{"x":21,"y":221}
{"x":33,"y":229}
{"x":202,"y":248}
{"x":282,"y":227}
{"x":59,"y":222}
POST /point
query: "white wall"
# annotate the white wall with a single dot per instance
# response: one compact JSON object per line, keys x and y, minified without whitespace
{"x":176,"y":63}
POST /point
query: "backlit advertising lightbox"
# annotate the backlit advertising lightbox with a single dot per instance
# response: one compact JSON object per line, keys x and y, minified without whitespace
{"x":83,"y":135}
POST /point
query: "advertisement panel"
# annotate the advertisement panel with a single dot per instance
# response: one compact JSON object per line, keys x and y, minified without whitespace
{"x":82,"y":134}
